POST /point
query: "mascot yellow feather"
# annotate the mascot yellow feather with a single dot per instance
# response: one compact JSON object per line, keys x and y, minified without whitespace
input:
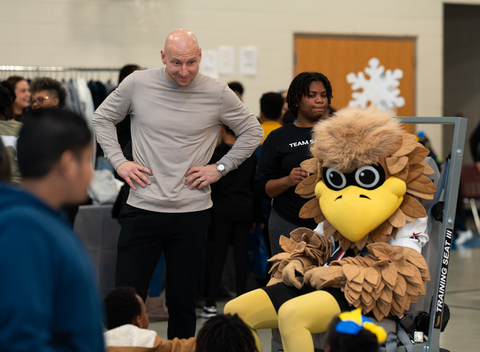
{"x":368,"y":177}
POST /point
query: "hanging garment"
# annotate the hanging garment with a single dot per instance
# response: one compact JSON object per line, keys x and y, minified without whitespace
{"x":85,"y":97}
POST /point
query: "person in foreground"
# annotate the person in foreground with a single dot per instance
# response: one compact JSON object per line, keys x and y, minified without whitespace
{"x":225,"y":333}
{"x":49,"y":298}
{"x":127,"y":324}
{"x":176,"y":114}
{"x":350,"y":331}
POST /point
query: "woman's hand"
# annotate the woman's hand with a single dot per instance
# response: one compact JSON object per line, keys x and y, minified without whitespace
{"x":297,"y":175}
{"x":274,"y":188}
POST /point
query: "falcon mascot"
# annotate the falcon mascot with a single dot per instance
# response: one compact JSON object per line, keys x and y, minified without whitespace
{"x":368,"y":178}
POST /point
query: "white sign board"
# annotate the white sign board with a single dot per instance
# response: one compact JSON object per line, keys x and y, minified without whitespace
{"x":209,"y":63}
{"x":226,"y":59}
{"x":248,"y":61}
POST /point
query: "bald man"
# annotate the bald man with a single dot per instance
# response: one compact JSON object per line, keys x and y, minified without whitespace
{"x":176,"y":114}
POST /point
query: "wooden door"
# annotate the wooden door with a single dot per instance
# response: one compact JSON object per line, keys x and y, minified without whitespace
{"x":336,"y":57}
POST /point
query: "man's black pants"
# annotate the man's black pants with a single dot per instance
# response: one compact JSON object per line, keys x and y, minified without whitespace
{"x":144,"y":235}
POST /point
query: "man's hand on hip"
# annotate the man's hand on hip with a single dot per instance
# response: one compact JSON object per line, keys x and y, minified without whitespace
{"x":201,"y":176}
{"x":131,"y":171}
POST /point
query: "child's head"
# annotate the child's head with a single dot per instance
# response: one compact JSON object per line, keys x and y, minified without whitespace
{"x":271,"y":105}
{"x":225,"y":333}
{"x":124,"y":306}
{"x":57,"y":142}
{"x":351,"y":331}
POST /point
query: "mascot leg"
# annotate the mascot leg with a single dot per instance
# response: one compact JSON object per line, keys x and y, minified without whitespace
{"x":256,"y":310}
{"x":302,"y":316}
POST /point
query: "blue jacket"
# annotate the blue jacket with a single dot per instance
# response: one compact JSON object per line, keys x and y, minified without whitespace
{"x":48,"y":289}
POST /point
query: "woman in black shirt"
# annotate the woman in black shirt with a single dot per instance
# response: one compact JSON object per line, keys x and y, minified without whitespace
{"x":279,"y":171}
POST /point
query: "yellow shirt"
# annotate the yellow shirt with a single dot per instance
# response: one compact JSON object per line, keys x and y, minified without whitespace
{"x":268,"y":127}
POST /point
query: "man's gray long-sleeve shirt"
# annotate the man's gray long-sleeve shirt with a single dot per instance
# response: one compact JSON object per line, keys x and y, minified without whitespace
{"x":173,"y":129}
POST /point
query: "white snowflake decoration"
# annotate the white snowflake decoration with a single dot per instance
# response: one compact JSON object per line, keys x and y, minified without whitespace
{"x":380,"y":89}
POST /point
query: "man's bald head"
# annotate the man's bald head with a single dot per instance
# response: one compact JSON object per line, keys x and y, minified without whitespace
{"x":181,"y":56}
{"x":181,"y":37}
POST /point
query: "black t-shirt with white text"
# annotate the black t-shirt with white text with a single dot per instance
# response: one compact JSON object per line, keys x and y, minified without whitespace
{"x":284,"y":149}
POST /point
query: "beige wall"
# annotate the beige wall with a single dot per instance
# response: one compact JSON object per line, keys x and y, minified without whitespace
{"x":112,"y":33}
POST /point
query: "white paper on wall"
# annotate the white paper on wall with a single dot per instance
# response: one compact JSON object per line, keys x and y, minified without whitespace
{"x":248,"y":61}
{"x":226,"y":59}
{"x":209,"y":63}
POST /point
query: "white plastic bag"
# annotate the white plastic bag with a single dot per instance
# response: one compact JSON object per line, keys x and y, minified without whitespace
{"x":104,"y":187}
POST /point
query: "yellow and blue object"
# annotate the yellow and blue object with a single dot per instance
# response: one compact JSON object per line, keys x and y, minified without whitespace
{"x":351,"y":323}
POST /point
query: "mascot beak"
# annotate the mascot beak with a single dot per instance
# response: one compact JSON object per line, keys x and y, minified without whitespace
{"x":355,"y":210}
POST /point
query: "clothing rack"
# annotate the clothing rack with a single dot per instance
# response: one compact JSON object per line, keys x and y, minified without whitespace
{"x":96,"y":73}
{"x":60,"y":72}
{"x":55,"y":68}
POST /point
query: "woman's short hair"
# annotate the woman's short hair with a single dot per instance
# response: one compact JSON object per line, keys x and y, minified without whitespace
{"x":53,"y":86}
{"x":300,"y":87}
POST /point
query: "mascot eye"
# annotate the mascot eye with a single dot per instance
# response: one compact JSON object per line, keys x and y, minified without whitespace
{"x":367,"y":177}
{"x":335,"y":179}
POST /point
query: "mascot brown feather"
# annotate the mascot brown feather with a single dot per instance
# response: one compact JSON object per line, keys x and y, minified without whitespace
{"x":369,"y":178}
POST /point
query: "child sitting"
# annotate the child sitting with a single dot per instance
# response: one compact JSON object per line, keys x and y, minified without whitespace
{"x":127,"y":323}
{"x":350,"y":331}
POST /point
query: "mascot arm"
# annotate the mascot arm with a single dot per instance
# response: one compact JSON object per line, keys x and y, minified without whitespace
{"x":413,"y":235}
{"x":384,"y":282}
{"x":304,"y":249}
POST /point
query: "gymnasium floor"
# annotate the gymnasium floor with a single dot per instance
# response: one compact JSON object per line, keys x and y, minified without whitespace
{"x":463,"y":297}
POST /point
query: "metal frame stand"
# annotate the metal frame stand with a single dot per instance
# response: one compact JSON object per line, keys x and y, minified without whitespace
{"x":446,"y":235}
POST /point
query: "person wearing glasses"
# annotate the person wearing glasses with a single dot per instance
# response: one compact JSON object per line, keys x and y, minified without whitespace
{"x":47,"y":93}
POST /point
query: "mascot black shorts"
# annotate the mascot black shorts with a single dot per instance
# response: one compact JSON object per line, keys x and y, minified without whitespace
{"x":280,"y":293}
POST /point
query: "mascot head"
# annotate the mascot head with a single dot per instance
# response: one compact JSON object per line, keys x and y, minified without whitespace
{"x":367,"y":175}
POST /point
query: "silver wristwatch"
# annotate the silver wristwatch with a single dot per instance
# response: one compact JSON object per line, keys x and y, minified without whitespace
{"x":222,"y":168}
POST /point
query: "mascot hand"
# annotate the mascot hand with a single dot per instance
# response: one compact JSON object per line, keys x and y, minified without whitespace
{"x":314,"y":277}
{"x":292,"y":274}
{"x":321,"y":276}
